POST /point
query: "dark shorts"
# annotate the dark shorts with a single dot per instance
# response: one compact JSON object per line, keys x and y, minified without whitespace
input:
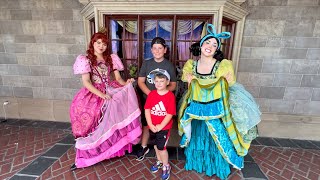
{"x":160,"y":139}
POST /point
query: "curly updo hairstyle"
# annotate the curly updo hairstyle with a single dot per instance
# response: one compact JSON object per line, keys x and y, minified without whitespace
{"x":195,"y":49}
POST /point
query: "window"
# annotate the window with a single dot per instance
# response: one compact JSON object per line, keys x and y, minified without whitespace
{"x":92,"y":26}
{"x":156,"y":27}
{"x":131,"y":37}
{"x":227,"y":44}
{"x":189,"y":30}
{"x":123,"y":35}
{"x":228,"y":16}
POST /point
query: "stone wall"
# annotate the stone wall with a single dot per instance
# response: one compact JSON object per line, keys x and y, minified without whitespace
{"x":279,"y":65}
{"x":39,"y":40}
{"x":280,"y":55}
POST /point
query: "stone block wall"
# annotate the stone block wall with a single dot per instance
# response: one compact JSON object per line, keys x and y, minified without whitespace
{"x":279,"y":64}
{"x":39,"y":40}
{"x":280,"y":55}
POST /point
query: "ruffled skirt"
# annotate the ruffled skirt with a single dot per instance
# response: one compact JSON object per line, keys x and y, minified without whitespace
{"x":118,"y":129}
{"x":85,"y":111}
{"x":210,"y":149}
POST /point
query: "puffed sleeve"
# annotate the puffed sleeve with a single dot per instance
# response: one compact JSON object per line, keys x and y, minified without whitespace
{"x":81,"y":66}
{"x":224,"y":69}
{"x":116,"y":61}
{"x":187,"y":69}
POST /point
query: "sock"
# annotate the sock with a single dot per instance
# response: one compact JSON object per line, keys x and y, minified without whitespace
{"x":164,"y":167}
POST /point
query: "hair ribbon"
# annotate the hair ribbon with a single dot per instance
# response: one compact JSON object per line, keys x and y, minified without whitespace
{"x":212,"y":33}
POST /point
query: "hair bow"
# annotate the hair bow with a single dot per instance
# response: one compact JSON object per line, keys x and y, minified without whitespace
{"x":212,"y":33}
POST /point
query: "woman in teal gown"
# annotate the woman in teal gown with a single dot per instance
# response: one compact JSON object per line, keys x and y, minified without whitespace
{"x":217,"y":116}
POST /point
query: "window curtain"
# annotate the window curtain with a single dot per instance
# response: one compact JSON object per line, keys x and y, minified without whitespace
{"x":185,"y":27}
{"x":184,"y":33}
{"x":130,"y":46}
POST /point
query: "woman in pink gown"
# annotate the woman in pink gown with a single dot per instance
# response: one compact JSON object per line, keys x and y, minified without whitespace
{"x":104,"y":114}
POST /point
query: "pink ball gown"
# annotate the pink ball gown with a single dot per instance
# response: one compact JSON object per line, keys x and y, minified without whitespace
{"x":103,"y":128}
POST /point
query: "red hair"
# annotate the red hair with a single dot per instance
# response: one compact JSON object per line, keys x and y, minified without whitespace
{"x":106,"y":55}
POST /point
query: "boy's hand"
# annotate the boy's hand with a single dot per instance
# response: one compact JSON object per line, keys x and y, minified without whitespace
{"x":153,"y":128}
{"x":159,"y":127}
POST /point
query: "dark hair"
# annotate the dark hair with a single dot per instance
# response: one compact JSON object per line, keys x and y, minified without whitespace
{"x":195,"y":49}
{"x":161,"y":76}
{"x":218,"y":55}
{"x":158,"y":40}
{"x":106,"y":55}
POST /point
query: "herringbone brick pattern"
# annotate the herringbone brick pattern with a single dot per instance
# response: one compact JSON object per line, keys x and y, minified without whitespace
{"x":287,"y":163}
{"x":120,"y":168}
{"x":21,"y":145}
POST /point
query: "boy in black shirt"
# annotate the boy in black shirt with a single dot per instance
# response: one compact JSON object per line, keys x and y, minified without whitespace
{"x":146,"y":84}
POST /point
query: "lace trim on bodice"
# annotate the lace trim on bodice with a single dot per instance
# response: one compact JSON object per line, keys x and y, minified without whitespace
{"x":100,"y":73}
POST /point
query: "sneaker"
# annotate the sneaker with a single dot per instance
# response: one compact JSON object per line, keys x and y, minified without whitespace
{"x":142,"y":153}
{"x":73,"y":167}
{"x":155,"y":168}
{"x":166,"y":172}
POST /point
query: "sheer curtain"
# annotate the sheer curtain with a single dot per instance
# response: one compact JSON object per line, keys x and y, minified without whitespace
{"x":184,"y":37}
{"x":184,"y":33}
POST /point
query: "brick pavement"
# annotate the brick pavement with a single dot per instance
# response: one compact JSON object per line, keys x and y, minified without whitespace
{"x":119,"y":168}
{"x":21,"y":145}
{"x":44,"y":150}
{"x":276,"y":163}
{"x":287,"y":163}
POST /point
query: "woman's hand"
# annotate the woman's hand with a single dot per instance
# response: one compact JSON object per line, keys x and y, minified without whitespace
{"x":105,"y":96}
{"x":131,"y":80}
{"x":189,"y":77}
{"x":229,"y":77}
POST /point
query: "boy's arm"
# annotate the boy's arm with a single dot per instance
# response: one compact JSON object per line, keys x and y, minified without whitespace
{"x":142,"y":85}
{"x":142,"y":78}
{"x":173,"y":82}
{"x":172,"y":86}
{"x":164,"y":122}
{"x":148,"y":118}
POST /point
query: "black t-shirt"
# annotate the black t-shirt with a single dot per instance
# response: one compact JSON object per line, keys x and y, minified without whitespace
{"x":150,"y":65}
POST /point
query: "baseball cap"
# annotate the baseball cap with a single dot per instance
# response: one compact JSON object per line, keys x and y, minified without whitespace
{"x":153,"y":73}
{"x":158,"y":40}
